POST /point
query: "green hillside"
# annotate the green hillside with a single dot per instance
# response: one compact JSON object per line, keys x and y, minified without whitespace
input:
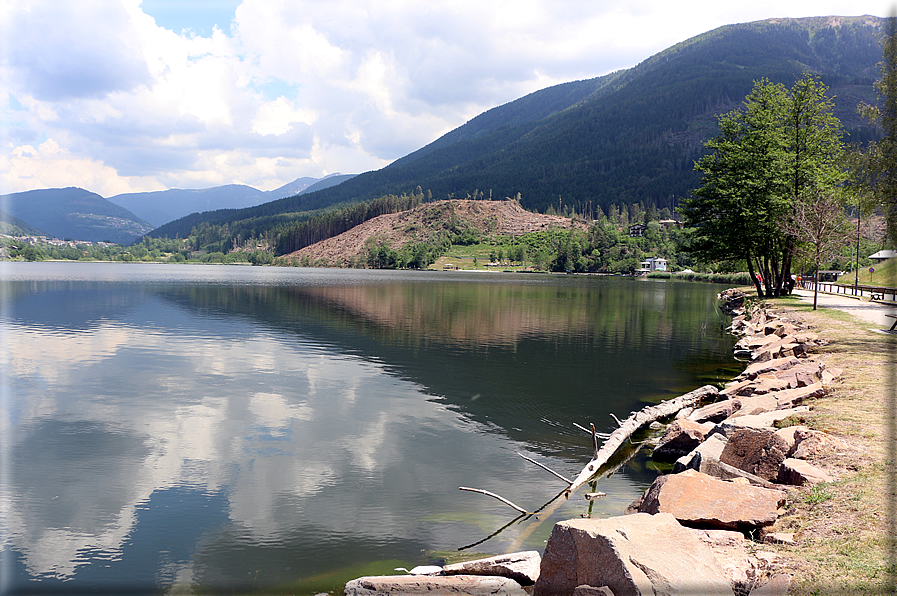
{"x":13,"y":226}
{"x":628,"y":137}
{"x":75,"y":213}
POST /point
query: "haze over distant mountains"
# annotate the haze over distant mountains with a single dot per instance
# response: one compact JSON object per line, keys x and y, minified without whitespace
{"x":163,"y":206}
{"x":82,"y":215}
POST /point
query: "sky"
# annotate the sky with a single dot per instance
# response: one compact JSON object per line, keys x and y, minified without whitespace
{"x":119,"y":96}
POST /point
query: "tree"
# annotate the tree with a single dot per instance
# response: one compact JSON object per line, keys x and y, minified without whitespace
{"x":732,"y":215}
{"x":882,"y":156}
{"x":819,"y":222}
{"x":765,"y":157}
{"x":814,"y":151}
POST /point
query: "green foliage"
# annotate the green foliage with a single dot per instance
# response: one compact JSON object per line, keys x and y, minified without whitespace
{"x":878,"y":164}
{"x":628,"y":137}
{"x":818,"y":493}
{"x":783,"y":147}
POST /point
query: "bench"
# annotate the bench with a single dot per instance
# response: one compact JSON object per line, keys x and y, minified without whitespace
{"x":895,"y":320}
{"x":878,"y":295}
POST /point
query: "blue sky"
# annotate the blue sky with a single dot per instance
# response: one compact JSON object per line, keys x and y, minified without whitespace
{"x":197,"y":16}
{"x":127,"y":95}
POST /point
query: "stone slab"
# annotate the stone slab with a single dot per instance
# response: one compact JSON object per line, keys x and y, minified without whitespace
{"x":474,"y":585}
{"x":798,"y":472}
{"x":699,"y":500}
{"x":522,"y":567}
{"x":623,"y":554}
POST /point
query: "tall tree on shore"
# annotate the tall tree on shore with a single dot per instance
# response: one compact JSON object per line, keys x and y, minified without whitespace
{"x":882,"y":155}
{"x":764,"y":159}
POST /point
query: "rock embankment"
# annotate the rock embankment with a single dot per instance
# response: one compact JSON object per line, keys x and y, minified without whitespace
{"x":735,"y":461}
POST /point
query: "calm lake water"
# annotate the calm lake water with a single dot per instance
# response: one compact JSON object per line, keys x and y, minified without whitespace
{"x":224,"y":429}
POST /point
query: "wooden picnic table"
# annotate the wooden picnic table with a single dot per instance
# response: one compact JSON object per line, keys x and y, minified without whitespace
{"x":893,"y":317}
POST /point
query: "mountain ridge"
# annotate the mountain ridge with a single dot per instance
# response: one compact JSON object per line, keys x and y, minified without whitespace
{"x":162,"y":206}
{"x":75,"y":213}
{"x":625,"y":137}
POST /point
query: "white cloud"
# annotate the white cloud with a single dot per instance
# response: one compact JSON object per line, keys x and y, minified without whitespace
{"x":277,"y":117}
{"x":301,"y":87}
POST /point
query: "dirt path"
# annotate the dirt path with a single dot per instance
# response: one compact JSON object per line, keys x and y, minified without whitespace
{"x":872,"y":312}
{"x":846,"y":531}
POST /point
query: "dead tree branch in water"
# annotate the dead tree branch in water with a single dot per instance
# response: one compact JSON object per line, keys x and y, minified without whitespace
{"x":632,"y":424}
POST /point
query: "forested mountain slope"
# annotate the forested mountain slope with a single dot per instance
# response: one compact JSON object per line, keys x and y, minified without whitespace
{"x":635,"y":137}
{"x":75,"y":213}
{"x":630,"y":136}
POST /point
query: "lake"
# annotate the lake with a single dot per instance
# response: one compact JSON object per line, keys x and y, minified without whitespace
{"x":227,"y":429}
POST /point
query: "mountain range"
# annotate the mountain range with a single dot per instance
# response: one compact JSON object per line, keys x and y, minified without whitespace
{"x":626,"y":137}
{"x":163,"y":206}
{"x":83,"y":215}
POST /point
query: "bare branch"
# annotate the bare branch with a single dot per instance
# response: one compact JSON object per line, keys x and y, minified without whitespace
{"x":495,"y":496}
{"x":546,"y":468}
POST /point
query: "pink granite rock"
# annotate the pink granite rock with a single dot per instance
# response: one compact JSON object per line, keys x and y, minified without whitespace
{"x":633,"y":554}
{"x":522,"y":567}
{"x":680,"y":438}
{"x":754,"y":450}
{"x":699,"y":500}
{"x":797,"y":472}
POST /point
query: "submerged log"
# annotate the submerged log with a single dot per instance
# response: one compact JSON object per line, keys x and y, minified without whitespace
{"x":631,"y":425}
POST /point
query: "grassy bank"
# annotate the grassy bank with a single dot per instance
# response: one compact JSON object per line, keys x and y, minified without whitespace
{"x":717,"y":278}
{"x":885,"y":274}
{"x":845,"y":529}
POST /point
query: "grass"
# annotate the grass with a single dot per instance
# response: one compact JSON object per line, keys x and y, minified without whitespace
{"x":844,"y":529}
{"x":885,"y":275}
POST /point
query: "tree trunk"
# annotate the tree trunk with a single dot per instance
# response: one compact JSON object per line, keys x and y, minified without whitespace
{"x":633,"y":423}
{"x":752,"y":273}
{"x":816,"y":286}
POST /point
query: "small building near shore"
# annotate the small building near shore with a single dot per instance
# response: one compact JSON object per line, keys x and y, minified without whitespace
{"x":654,"y":264}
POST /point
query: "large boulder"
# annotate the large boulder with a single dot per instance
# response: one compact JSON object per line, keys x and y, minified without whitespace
{"x":705,"y":459}
{"x":731,"y":551}
{"x":757,"y":404}
{"x":755,"y":450}
{"x":635,"y":554}
{"x":699,"y":500}
{"x":393,"y":585}
{"x":716,"y":412}
{"x":808,"y":443}
{"x":522,"y":567}
{"x":774,"y":366}
{"x":787,"y":434}
{"x":766,"y":420}
{"x":798,"y":473}
{"x":736,"y":388}
{"x":777,"y":585}
{"x":710,"y":449}
{"x":680,"y":438}
{"x":792,"y":397}
{"x":767,"y":383}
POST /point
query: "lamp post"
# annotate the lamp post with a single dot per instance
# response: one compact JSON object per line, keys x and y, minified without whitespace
{"x":856,"y":280}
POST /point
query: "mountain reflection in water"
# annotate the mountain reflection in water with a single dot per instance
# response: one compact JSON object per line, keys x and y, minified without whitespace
{"x":243,"y":428}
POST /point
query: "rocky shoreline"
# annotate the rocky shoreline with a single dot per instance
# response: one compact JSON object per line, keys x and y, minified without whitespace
{"x":697,"y":529}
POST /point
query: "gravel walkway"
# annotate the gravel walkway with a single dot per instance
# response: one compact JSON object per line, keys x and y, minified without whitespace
{"x":872,"y":312}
